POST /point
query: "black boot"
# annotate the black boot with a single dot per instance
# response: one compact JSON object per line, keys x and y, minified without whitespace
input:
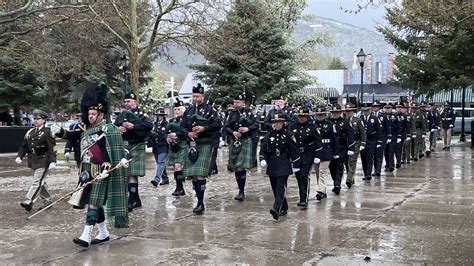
{"x":240,"y":178}
{"x":200,"y":187}
{"x":175,"y":192}
{"x":134,"y":198}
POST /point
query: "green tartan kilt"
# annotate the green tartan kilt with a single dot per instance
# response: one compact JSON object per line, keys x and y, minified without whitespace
{"x":202,"y":165}
{"x":178,"y":157}
{"x":97,"y":193}
{"x":244,"y":159}
{"x":137,"y":165}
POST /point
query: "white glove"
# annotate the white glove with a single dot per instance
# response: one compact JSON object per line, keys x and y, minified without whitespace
{"x":295,"y":170}
{"x":263,"y":163}
{"x":18,"y":160}
{"x":336,"y":157}
{"x":361,"y":148}
{"x":67,"y":155}
{"x":408,"y":138}
{"x":316,"y":160}
{"x":52,"y":166}
{"x":55,"y":129}
{"x":379,"y":145}
{"x":451,"y":125}
{"x":399,"y":140}
{"x":124,"y":163}
{"x":389,"y":140}
{"x":423,"y":135}
{"x":433,"y":130}
{"x":413,"y":136}
{"x":439,"y":128}
{"x":103,"y":175}
{"x":350,"y":153}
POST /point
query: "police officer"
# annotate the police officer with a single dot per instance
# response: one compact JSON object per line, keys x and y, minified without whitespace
{"x":178,"y":147}
{"x":403,"y":130}
{"x":40,"y":147}
{"x":135,"y":127}
{"x":373,"y":136}
{"x":384,"y":132}
{"x":432,"y":117}
{"x":447,"y":124}
{"x":392,"y":138}
{"x":280,"y":154}
{"x":240,"y":128}
{"x":200,"y":125}
{"x":159,"y":147}
{"x":346,"y":141}
{"x":325,"y":150}
{"x":410,"y":132}
{"x":359,"y":143}
{"x":307,"y":140}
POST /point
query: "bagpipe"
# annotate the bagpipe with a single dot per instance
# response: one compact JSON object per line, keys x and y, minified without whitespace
{"x":139,"y":114}
{"x":202,"y":117}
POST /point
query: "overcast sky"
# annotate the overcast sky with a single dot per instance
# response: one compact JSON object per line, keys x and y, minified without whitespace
{"x":367,"y":18}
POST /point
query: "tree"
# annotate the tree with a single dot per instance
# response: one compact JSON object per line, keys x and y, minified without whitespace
{"x":251,"y":52}
{"x":435,"y":41}
{"x":336,"y":63}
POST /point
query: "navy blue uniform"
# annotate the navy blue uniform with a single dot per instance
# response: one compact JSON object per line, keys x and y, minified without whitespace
{"x":384,"y":134}
{"x":403,"y":132}
{"x":391,"y":146}
{"x":374,"y":138}
{"x":345,"y":139}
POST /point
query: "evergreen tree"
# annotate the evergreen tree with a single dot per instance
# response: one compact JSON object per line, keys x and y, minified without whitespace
{"x":250,"y":52}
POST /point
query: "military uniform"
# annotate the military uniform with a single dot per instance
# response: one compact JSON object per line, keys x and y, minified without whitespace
{"x":447,"y":124}
{"x":206,"y":116}
{"x":40,"y":147}
{"x":240,"y":148}
{"x":359,"y":143}
{"x":433,"y":120}
{"x":326,"y":149}
{"x":392,"y":138}
{"x":160,"y":148}
{"x":346,"y":141}
{"x":307,"y":140}
{"x":287,"y":114}
{"x":410,"y":133}
{"x":373,"y":136}
{"x":280,"y":153}
{"x":134,"y":140}
{"x":419,"y":134}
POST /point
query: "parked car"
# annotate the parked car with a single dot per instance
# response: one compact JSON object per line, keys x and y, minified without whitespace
{"x":468,"y":117}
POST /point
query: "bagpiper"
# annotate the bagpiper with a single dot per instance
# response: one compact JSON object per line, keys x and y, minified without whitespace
{"x":178,"y":147}
{"x":200,"y":125}
{"x":240,"y":128}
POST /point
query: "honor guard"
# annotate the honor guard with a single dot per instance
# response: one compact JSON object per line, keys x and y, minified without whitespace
{"x":326,"y":149}
{"x":178,"y":147}
{"x":159,"y":147}
{"x":280,"y":154}
{"x":384,"y":133}
{"x":346,"y":141}
{"x":433,"y":120}
{"x":40,"y":147}
{"x":419,"y":133}
{"x":403,"y":132}
{"x":447,"y":124}
{"x":200,"y":125}
{"x":135,"y":127}
{"x":307,"y":140}
{"x":101,"y":148}
{"x":240,"y":128}
{"x":392,"y":137}
{"x":373,"y":137}
{"x":410,"y":133}
{"x":360,"y":142}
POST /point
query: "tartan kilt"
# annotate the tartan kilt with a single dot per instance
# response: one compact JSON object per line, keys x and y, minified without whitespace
{"x":203,"y":163}
{"x":178,"y":157}
{"x":137,"y":165}
{"x":244,"y":159}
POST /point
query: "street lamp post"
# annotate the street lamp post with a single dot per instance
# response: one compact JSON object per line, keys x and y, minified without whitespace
{"x":361,"y":58}
{"x":124,"y":61}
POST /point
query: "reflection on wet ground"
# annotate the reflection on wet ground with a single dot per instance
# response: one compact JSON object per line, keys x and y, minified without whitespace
{"x":421,"y":213}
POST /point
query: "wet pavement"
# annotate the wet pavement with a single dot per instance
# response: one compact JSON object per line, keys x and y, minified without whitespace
{"x":421,"y":213}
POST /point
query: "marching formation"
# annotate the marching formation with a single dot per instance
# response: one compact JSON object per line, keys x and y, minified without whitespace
{"x":329,"y":138}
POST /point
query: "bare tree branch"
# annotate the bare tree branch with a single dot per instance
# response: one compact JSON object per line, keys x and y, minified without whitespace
{"x":122,"y":18}
{"x":16,"y":11}
{"x":110,"y":29}
{"x":32,"y":12}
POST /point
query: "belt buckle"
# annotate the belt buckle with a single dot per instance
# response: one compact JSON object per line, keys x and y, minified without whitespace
{"x":277,"y":152}
{"x":125,"y":142}
{"x":301,"y":149}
